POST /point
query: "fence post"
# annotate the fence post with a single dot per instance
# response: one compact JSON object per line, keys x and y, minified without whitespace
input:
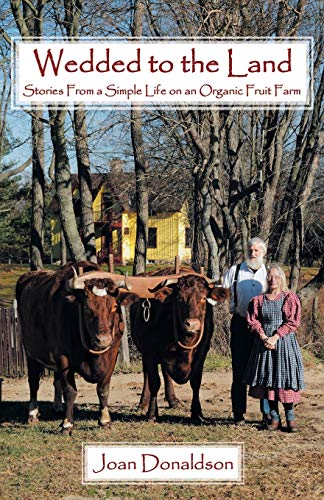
{"x":111,"y":263}
{"x":177,"y":264}
{"x":123,"y":354}
{"x":15,"y":308}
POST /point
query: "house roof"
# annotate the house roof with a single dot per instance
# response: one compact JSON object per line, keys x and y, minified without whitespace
{"x":164,"y":192}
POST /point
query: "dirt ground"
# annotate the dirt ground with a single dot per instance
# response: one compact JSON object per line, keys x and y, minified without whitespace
{"x":276,"y":465}
{"x":126,"y":389}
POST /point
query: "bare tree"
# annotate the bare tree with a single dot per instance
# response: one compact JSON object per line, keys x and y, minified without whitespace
{"x":240,"y":159}
{"x":141,"y":165}
{"x":73,"y":11}
{"x":29,"y":20}
{"x":63,"y":185}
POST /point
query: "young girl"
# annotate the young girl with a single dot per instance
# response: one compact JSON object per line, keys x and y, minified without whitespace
{"x":275,"y":369}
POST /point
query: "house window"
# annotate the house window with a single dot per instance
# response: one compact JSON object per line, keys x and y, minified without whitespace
{"x":152,"y":237}
{"x":126,"y":230}
{"x":188,"y":237}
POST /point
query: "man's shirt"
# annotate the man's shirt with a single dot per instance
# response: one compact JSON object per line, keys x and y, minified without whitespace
{"x":249,"y":284}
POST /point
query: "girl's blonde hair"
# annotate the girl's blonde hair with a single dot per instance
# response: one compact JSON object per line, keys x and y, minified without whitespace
{"x":275,"y":265}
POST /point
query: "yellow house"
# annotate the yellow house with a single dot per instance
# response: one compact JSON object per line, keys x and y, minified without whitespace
{"x":169,"y":232}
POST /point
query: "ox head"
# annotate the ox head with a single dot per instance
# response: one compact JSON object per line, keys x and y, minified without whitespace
{"x":189,"y":296}
{"x":99,"y":299}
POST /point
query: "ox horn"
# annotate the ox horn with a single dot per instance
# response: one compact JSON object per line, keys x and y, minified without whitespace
{"x":170,"y":281}
{"x":127,"y":283}
{"x":75,"y":282}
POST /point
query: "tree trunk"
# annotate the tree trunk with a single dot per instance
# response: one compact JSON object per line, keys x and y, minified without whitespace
{"x":85,"y":185}
{"x":141,"y":164}
{"x":298,"y":246}
{"x":29,"y":21}
{"x":199,"y":253}
{"x":277,"y":129}
{"x":63,"y":249}
{"x":311,"y":289}
{"x":73,"y":10}
{"x":141,"y":193}
{"x":63,"y":186}
{"x":38,"y":193}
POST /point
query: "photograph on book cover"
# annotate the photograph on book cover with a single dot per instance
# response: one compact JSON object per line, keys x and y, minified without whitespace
{"x":161,"y":246}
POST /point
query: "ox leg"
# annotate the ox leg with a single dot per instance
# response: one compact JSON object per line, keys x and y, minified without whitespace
{"x":69,"y":393}
{"x":154,"y":386}
{"x":58,"y":394}
{"x":34,"y":372}
{"x":146,"y":395}
{"x":103,"y":393}
{"x":195,"y":382}
{"x":170,"y":396}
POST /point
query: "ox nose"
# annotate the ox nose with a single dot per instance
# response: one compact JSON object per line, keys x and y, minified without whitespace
{"x":104,"y":340}
{"x":192,"y":324}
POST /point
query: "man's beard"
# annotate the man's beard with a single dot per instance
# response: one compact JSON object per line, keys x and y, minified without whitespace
{"x":254,"y":264}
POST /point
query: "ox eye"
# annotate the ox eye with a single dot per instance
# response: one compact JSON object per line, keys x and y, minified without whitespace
{"x":203,"y":299}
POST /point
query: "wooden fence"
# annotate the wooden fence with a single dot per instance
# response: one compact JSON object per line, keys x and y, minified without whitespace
{"x":12,"y":356}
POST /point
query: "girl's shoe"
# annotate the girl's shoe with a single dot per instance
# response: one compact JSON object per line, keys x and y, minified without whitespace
{"x":292,"y":426}
{"x":274,"y":425}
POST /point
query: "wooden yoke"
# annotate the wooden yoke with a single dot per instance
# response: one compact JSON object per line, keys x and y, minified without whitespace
{"x":138,"y":284}
{"x":141,"y":284}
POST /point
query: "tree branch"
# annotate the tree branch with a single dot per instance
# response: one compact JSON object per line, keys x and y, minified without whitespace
{"x":15,"y":171}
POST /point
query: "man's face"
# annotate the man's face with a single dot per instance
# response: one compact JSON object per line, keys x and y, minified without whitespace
{"x":255,"y":251}
{"x":255,"y":256}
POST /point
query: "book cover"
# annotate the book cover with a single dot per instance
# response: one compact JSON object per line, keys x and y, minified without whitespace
{"x":204,"y":120}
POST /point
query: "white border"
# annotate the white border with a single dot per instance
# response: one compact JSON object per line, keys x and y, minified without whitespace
{"x":163,"y":105}
{"x":141,"y":444}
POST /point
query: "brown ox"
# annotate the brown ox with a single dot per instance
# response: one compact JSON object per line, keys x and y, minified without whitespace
{"x":174,"y":329}
{"x":72,"y":324}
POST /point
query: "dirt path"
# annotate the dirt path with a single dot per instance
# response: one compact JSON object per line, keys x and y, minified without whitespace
{"x":215,"y":393}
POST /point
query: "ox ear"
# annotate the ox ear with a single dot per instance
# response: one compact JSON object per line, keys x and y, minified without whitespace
{"x":218,"y":294}
{"x":163,"y":294}
{"x":74,"y":295}
{"x":127,"y":298}
{"x":70,"y":298}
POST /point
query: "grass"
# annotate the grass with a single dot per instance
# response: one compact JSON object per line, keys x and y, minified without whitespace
{"x":39,"y":462}
{"x":9,"y":275}
{"x":214,"y":361}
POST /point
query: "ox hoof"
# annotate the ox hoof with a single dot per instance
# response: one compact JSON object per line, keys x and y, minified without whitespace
{"x":104,"y":424}
{"x":33,"y":420}
{"x":199,"y":420}
{"x":66,"y":427}
{"x":153,"y":420}
{"x":33,"y":417}
{"x":175,"y":403}
{"x":142,"y":409}
{"x":66,"y":432}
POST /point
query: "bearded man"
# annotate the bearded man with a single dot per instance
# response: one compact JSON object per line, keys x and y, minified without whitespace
{"x":245,"y":280}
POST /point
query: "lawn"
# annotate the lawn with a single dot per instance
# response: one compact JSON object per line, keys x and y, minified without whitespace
{"x":38,"y":462}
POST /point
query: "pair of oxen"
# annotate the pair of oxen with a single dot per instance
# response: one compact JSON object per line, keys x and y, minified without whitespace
{"x":71,"y":322}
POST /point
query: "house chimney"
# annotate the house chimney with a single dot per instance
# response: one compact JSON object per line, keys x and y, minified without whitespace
{"x":116,"y":166}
